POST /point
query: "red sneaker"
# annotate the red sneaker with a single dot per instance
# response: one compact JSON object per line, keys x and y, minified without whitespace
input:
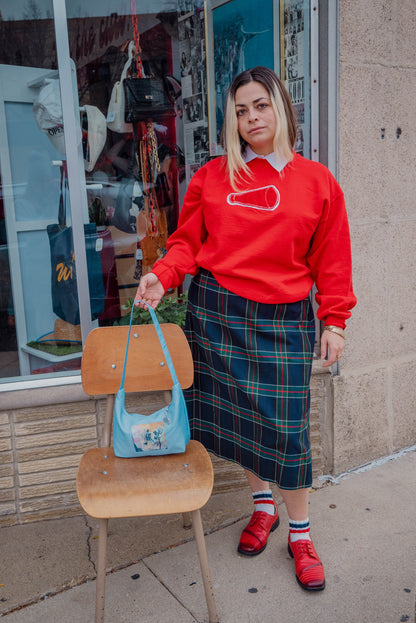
{"x":254,"y":536}
{"x":309,"y":568}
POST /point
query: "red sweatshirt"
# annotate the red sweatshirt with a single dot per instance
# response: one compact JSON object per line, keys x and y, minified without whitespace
{"x":271,"y":240}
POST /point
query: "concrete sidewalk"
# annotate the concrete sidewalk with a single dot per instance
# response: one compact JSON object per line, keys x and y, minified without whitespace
{"x":363,"y":528}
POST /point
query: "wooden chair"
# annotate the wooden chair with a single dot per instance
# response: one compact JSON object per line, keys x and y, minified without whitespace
{"x":109,"y":486}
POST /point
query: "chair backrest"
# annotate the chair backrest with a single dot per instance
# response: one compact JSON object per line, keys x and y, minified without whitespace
{"x":103,"y":358}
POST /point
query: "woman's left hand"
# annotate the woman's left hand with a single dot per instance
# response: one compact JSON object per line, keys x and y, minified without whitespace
{"x":332,"y":346}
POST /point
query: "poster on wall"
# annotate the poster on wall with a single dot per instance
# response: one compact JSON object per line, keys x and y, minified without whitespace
{"x":295,"y":62}
{"x":241,"y":36}
{"x":191,"y":26}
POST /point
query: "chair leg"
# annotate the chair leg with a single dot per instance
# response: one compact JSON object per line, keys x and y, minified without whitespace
{"x":203,"y":561}
{"x":187,"y":522}
{"x":100,"y":586}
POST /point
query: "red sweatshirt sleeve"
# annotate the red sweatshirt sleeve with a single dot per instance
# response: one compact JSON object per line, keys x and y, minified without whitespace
{"x":329,"y":258}
{"x":183,"y":245}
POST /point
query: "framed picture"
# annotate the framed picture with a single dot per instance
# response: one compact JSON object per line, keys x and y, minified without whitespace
{"x":191,"y":49}
{"x":239,"y":36}
{"x":295,"y":63}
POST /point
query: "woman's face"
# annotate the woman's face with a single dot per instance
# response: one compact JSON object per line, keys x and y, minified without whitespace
{"x":255,"y":116}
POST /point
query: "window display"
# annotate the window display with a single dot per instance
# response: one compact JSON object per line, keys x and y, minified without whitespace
{"x":128,"y":90}
{"x":142,"y":97}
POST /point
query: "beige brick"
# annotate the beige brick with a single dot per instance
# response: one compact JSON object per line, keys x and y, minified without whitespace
{"x":44,"y":465}
{"x":5,"y":444}
{"x":57,"y":475}
{"x":8,"y":520}
{"x":7,"y":509}
{"x":6,"y":483}
{"x":7,"y":495}
{"x":4,"y":419}
{"x":315,"y":393}
{"x":49,"y":412}
{"x":315,"y":426}
{"x":316,"y":402}
{"x":56,"y":424}
{"x":5,"y":432}
{"x":146,"y":403}
{"x":315,"y":440}
{"x":64,"y":449}
{"x":48,"y":503}
{"x":53,"y":488}
{"x":317,"y":465}
{"x":228,"y":476}
{"x":317,"y":469}
{"x":54,"y":513}
{"x":51,"y":439}
{"x":6,"y":457}
{"x":6,"y":470}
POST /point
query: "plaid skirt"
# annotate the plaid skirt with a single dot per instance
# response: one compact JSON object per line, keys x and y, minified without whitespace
{"x":250,"y":399}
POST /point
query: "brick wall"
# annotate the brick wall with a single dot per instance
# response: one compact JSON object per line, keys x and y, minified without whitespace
{"x":41,"y":446}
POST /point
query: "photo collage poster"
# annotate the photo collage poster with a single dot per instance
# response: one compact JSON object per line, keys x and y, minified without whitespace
{"x":191,"y":25}
{"x":296,"y":66}
{"x":242,"y":37}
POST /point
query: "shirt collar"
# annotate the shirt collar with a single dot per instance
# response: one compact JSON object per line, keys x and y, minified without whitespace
{"x":277,"y":163}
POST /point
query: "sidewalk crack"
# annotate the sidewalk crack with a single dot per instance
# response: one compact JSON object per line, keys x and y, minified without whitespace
{"x":89,"y":549}
{"x":166,"y":587}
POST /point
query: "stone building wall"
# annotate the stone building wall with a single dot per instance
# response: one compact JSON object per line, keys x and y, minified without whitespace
{"x":375,"y":396}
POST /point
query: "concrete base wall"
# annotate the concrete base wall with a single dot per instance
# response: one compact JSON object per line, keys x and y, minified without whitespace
{"x":374,"y":399}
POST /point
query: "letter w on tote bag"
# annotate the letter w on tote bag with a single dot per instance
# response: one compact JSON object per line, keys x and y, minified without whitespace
{"x":64,"y":279}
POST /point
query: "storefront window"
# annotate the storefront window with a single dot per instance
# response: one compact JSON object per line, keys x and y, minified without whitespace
{"x":29,"y":181}
{"x":133,"y":160}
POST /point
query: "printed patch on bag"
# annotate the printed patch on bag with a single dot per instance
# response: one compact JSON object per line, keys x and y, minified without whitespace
{"x":148,"y":437}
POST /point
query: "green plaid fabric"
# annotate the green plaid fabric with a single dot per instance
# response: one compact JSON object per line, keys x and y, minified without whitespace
{"x":250,"y":399}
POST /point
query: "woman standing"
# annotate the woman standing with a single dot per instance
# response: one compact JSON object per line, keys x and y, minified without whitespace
{"x":258,"y":227}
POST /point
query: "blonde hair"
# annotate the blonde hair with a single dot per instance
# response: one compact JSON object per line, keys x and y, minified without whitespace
{"x":286,"y":126}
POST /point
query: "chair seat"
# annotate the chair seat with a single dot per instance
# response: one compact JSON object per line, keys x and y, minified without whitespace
{"x":109,"y":486}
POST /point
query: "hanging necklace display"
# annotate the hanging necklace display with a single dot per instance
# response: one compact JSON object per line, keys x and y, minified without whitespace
{"x":152,"y":230}
{"x":152,"y":219}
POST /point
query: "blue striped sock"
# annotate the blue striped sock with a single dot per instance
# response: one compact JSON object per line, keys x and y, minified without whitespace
{"x":299,"y":530}
{"x":263,"y":501}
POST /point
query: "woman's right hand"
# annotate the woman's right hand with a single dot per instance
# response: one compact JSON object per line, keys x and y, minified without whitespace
{"x":150,"y":290}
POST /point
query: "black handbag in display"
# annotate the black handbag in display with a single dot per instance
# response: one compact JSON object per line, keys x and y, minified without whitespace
{"x":146,"y":98}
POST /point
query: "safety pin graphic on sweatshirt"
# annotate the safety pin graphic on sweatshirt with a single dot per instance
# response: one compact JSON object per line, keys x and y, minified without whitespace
{"x":264,"y":198}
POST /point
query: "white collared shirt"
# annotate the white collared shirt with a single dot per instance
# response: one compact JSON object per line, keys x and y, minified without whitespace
{"x":278,"y":164}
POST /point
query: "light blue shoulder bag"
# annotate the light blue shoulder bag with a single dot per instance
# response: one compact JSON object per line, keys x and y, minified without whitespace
{"x":163,"y":432}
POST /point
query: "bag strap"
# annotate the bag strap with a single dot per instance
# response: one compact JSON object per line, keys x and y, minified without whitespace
{"x":161,"y":340}
{"x":128,"y":62}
